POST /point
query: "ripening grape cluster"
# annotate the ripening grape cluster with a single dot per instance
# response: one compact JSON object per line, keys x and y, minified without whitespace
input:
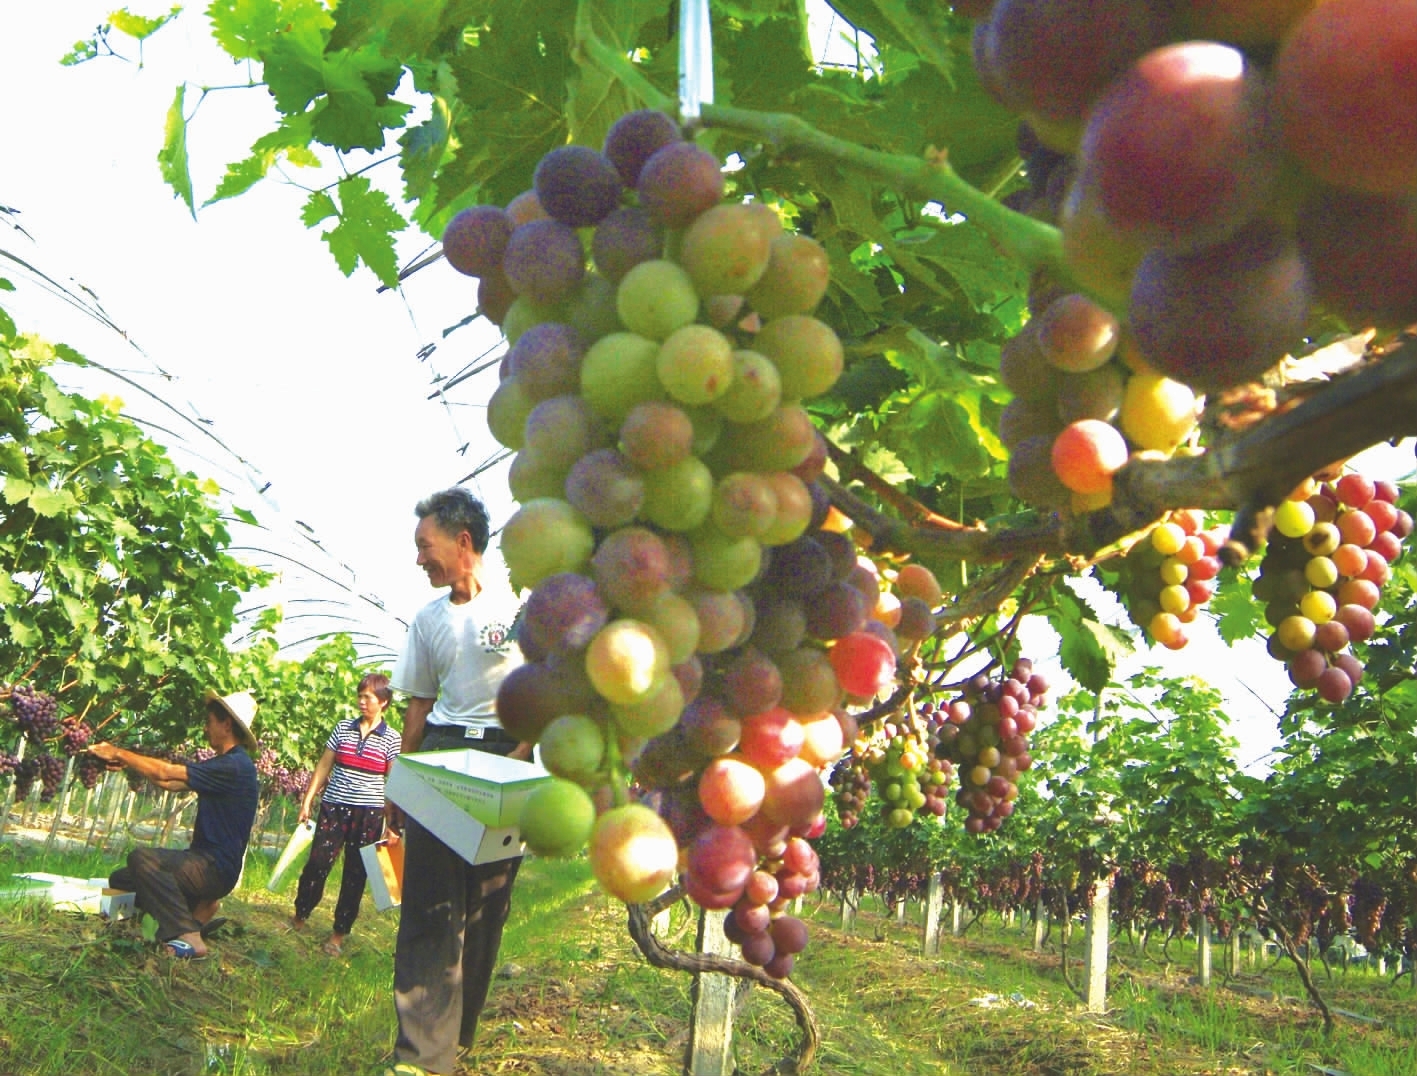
{"x":1168,"y":576}
{"x":26,"y":773}
{"x":8,"y":763}
{"x":901,"y":763}
{"x":1221,"y":172}
{"x":74,"y":736}
{"x":88,"y":769}
{"x":985,"y":736}
{"x":688,"y":614}
{"x":36,"y":712}
{"x":1329,"y":554}
{"x":51,"y":775}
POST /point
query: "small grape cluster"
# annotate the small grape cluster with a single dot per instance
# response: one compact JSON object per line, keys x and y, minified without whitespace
{"x":851,"y":788}
{"x":26,"y":773}
{"x":985,"y":735}
{"x":36,"y":712}
{"x":1328,"y":557}
{"x":74,"y":736}
{"x":1165,"y":579}
{"x":8,"y":763}
{"x":51,"y":775}
{"x":88,"y":768}
{"x":905,"y":770}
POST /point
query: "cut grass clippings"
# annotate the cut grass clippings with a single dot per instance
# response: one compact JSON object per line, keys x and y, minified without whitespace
{"x":574,"y":997}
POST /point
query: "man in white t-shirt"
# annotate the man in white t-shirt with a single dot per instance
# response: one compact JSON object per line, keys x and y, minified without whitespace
{"x":451,"y":918}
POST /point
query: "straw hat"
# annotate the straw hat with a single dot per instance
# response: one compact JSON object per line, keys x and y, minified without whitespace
{"x":242,"y":707}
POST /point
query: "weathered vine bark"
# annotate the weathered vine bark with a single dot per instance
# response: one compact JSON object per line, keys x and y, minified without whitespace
{"x":661,"y":957}
{"x":1305,"y":975}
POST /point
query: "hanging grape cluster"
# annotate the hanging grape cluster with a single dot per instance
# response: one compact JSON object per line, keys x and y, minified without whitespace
{"x":1328,"y":557}
{"x":901,"y":763}
{"x":1165,"y":579}
{"x":1221,"y":173}
{"x":687,"y":612}
{"x":36,"y":712}
{"x":74,"y":736}
{"x":985,"y":736}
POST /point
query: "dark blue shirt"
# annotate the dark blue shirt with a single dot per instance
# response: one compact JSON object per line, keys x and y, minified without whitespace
{"x":227,"y":794}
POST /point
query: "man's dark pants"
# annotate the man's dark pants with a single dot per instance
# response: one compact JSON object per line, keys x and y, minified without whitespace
{"x":450,"y":928}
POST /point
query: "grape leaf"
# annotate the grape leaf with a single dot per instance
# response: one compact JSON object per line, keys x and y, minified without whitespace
{"x":141,"y":26}
{"x":290,"y":140}
{"x":1088,"y":649}
{"x":247,"y":29}
{"x":364,"y":232}
{"x":594,"y":99}
{"x":933,"y":436}
{"x":405,"y":27}
{"x":512,"y":89}
{"x":294,"y":70}
{"x":423,"y":148}
{"x":1238,"y":615}
{"x":172,"y":158}
{"x":357,"y":108}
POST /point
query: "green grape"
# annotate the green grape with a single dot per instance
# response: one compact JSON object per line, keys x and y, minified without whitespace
{"x":806,"y":352}
{"x":722,"y":562}
{"x":655,"y":298}
{"x":617,"y":373}
{"x":695,"y":364}
{"x":756,"y":389}
{"x":678,"y":498}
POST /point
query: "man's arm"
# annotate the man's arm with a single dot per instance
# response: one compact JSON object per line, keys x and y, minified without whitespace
{"x":415,"y":721}
{"x":168,"y":775}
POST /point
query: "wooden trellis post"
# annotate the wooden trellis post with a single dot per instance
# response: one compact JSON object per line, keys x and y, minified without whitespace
{"x":710,"y":1050}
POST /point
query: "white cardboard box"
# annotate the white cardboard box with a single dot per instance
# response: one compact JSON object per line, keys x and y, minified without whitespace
{"x":383,"y":863}
{"x":468,"y":799}
{"x":91,"y":895}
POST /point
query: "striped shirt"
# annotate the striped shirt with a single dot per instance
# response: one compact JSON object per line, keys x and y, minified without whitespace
{"x":361,"y":764}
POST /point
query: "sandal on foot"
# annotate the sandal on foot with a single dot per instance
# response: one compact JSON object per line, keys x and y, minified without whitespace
{"x":332,"y":948}
{"x":182,"y":950}
{"x":211,"y":926}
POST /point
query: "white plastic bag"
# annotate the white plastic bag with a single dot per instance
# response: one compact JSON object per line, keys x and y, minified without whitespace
{"x":292,"y":860}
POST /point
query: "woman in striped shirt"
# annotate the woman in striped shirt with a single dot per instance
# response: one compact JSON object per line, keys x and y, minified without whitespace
{"x":349,"y":779}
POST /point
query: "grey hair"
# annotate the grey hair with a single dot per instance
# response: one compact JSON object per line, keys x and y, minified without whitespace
{"x":456,"y":510}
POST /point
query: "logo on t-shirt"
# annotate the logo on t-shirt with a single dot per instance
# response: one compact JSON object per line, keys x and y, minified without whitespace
{"x":496,"y":637}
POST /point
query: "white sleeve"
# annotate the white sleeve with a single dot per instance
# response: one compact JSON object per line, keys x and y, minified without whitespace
{"x":413,"y":672}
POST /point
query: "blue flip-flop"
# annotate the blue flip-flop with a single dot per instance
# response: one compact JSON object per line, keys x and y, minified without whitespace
{"x":182,"y":950}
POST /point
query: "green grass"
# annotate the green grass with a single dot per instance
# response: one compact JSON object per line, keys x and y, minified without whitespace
{"x":575,"y":998}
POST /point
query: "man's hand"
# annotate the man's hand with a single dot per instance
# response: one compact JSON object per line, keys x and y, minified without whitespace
{"x":108,"y":752}
{"x":522,"y":752}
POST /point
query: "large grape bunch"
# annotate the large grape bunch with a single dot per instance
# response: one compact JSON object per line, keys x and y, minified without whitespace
{"x":36,"y":712}
{"x":688,"y":615}
{"x":985,"y":736}
{"x":1222,"y":173}
{"x":1323,"y":573}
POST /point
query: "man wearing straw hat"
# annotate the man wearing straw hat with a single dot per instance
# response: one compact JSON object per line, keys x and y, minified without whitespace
{"x":171,"y":883}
